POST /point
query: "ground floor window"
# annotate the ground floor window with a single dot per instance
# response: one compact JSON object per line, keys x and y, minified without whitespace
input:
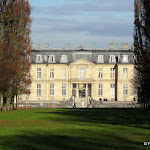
{"x":112,"y":89}
{"x":100,"y":89}
{"x":64,"y":89}
{"x":38,"y":89}
{"x":125,"y":89}
{"x":52,"y":89}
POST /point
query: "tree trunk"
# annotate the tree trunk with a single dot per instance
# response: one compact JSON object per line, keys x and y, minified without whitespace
{"x":16,"y":100}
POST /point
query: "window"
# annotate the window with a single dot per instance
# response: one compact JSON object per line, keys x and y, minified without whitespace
{"x":82,"y":73}
{"x":63,"y":58}
{"x":64,"y":89}
{"x":100,"y":89}
{"x":51,"y":72}
{"x":45,"y":58}
{"x":100,"y":59}
{"x":74,"y":86}
{"x":112,"y":73}
{"x":125,"y":73}
{"x":38,"y":58}
{"x":51,"y":58}
{"x":52,"y":89}
{"x":100,"y":73}
{"x":125,"y":89}
{"x":38,"y":73}
{"x":125,"y":58}
{"x":38,"y":89}
{"x":112,"y":89}
{"x":112,"y":59}
{"x":64,"y":73}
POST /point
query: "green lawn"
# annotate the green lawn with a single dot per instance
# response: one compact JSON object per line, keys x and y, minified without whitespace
{"x":47,"y":129}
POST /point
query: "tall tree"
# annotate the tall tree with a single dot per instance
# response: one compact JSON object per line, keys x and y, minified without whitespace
{"x":142,"y":49}
{"x":15,"y":47}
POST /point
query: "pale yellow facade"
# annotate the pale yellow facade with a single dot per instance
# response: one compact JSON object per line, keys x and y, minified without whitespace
{"x":90,"y":82}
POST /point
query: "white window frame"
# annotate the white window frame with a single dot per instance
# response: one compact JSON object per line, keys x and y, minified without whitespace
{"x":125,"y":60}
{"x":45,"y":58}
{"x":38,"y":89}
{"x":112,"y":89}
{"x":38,"y":58}
{"x":82,"y":73}
{"x":112,"y":59}
{"x":112,"y":73}
{"x":38,"y":74}
{"x":100,"y":73}
{"x":100,"y":59}
{"x":51,"y":89}
{"x":125,"y":89}
{"x":51,"y":59}
{"x":125,"y":73}
{"x":100,"y":89}
{"x":51,"y":73}
{"x":63,"y":89}
{"x":63,"y":58}
{"x":63,"y":73}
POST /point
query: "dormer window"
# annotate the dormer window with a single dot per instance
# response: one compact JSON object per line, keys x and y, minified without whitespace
{"x":112,"y":59}
{"x":38,"y":58}
{"x":63,"y":58}
{"x":100,"y":59}
{"x":125,"y":59}
{"x":51,"y":59}
{"x":45,"y":58}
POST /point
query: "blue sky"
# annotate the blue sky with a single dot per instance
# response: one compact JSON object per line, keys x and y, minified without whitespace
{"x":82,"y":22}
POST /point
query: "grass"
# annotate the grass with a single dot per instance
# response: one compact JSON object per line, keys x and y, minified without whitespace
{"x":90,"y":129}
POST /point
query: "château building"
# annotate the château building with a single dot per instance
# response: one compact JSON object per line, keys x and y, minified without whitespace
{"x":81,"y":73}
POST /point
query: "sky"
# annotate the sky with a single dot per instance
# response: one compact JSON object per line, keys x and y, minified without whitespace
{"x":82,"y":22}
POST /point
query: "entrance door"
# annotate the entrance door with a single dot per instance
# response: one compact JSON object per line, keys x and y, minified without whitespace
{"x":82,"y":93}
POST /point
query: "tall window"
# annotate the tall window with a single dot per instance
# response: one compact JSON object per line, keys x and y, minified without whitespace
{"x":82,"y":73}
{"x":38,"y":89}
{"x":112,"y":89}
{"x":100,"y":89}
{"x":100,"y":73}
{"x":125,"y":58}
{"x":125,"y":89}
{"x":38,"y":58}
{"x":112,"y":73}
{"x":100,"y":59}
{"x":63,"y":58}
{"x":112,"y":59}
{"x":52,"y":89}
{"x":125,"y":73}
{"x":51,"y":72}
{"x":38,"y":73}
{"x":64,"y":89}
{"x":64,"y":73}
{"x":51,"y":58}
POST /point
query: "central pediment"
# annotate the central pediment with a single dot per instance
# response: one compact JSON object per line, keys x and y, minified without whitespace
{"x":81,"y":62}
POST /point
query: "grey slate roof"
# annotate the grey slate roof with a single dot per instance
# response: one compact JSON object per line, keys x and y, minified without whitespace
{"x":74,"y":54}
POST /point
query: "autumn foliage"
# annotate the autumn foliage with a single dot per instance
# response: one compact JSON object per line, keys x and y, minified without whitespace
{"x":15,"y":49}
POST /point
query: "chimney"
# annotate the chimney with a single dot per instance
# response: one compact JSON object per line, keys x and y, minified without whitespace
{"x":38,"y":46}
{"x":95,"y":45}
{"x":132,"y":47}
{"x":111,"y":46}
{"x":125,"y":46}
{"x":68,"y":45}
{"x":47,"y":45}
{"x":117,"y":46}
